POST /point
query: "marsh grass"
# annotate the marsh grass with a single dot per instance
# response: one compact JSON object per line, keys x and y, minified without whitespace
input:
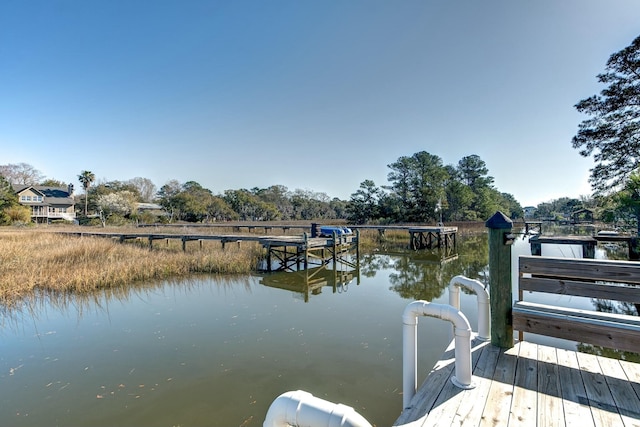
{"x":42,"y":261}
{"x":370,"y":239}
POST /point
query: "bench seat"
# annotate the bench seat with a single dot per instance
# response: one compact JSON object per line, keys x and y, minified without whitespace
{"x":613,"y":280}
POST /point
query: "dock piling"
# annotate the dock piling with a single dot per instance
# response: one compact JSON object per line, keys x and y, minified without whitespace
{"x":500,"y":227}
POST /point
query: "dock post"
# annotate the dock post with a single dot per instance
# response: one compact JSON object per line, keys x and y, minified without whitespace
{"x":634,"y":250}
{"x":536,"y":247}
{"x":589,"y":250}
{"x":306,"y":251}
{"x":500,"y":240}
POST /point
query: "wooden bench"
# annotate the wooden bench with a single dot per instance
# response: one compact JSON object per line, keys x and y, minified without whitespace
{"x":609,"y":280}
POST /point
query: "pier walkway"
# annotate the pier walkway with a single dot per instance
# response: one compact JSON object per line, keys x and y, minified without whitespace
{"x":529,"y":385}
{"x":283,"y":253}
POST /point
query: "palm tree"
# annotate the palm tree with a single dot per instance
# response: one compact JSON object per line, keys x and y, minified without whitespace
{"x":86,"y":178}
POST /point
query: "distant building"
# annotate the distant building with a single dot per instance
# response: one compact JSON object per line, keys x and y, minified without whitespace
{"x":47,"y":203}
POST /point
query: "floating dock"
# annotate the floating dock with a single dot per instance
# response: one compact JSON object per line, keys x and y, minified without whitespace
{"x":529,"y":385}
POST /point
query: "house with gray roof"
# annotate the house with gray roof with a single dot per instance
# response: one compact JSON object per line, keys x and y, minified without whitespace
{"x":47,"y":203}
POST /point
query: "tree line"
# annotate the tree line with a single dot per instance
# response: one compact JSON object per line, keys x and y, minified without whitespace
{"x":421,"y":189}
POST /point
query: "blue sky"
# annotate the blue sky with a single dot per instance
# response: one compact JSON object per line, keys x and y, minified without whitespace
{"x":313,"y":95}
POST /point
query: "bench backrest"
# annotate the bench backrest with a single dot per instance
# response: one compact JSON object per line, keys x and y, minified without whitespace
{"x":610,"y":280}
{"x":580,"y":277}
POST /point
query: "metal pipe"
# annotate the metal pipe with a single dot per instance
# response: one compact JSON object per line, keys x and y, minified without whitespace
{"x":462,"y":337}
{"x":484,"y":316}
{"x":299,"y":408}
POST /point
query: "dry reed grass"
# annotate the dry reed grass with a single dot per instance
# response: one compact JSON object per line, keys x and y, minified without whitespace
{"x":35,"y":260}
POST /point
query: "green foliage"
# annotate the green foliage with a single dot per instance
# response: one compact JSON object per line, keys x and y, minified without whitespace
{"x":86,"y":178}
{"x":50,"y":182}
{"x":419,"y":184}
{"x":628,"y":201}
{"x":16,"y":214}
{"x":364,"y":204}
{"x":10,"y":210}
{"x":249,"y":206}
{"x":560,"y":208}
{"x":8,"y":197}
{"x":612,"y":134}
{"x":422,"y":188}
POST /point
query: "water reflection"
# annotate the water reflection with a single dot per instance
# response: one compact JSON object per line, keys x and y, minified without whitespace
{"x":313,"y":280}
{"x":41,"y":303}
{"x":426,"y":275}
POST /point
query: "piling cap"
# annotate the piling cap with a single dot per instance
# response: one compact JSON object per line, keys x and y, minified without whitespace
{"x":499,"y":221}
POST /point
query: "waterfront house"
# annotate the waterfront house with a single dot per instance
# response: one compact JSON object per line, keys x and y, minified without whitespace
{"x":47,"y":203}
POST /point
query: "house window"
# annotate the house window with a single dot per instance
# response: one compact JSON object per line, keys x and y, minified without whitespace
{"x":37,"y":198}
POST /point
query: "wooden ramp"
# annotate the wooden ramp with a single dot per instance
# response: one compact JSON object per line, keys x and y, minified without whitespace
{"x":529,"y":385}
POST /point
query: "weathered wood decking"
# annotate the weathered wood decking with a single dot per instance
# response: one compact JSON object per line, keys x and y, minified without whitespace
{"x":529,"y":385}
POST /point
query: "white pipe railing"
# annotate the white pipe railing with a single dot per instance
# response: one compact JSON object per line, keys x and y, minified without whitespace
{"x":462,"y":337}
{"x":299,"y":408}
{"x":484,"y":327}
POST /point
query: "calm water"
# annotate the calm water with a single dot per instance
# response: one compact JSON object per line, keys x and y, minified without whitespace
{"x":212,"y":352}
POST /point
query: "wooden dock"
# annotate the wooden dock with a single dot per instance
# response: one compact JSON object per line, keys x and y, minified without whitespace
{"x":420,"y":237}
{"x":588,"y":243}
{"x":529,"y":385}
{"x":290,"y":253}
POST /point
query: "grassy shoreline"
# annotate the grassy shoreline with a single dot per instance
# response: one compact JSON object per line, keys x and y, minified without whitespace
{"x":38,"y":259}
{"x":32,"y":260}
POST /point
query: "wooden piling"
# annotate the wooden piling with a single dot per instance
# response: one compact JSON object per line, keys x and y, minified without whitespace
{"x":500,"y":240}
{"x":589,"y":250}
{"x":634,"y":249}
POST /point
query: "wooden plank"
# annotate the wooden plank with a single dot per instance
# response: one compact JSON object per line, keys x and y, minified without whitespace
{"x":580,"y":288}
{"x":449,"y":400}
{"x":496,"y":412}
{"x":632,"y":371}
{"x":549,"y":397}
{"x":445,"y":406}
{"x":524,"y":404}
{"x":603,"y":407}
{"x":563,"y":240}
{"x":575,"y":402}
{"x":429,"y":391}
{"x":622,"y":391}
{"x":571,"y":324}
{"x":474,"y":401}
{"x":588,"y":269}
{"x":525,"y":307}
